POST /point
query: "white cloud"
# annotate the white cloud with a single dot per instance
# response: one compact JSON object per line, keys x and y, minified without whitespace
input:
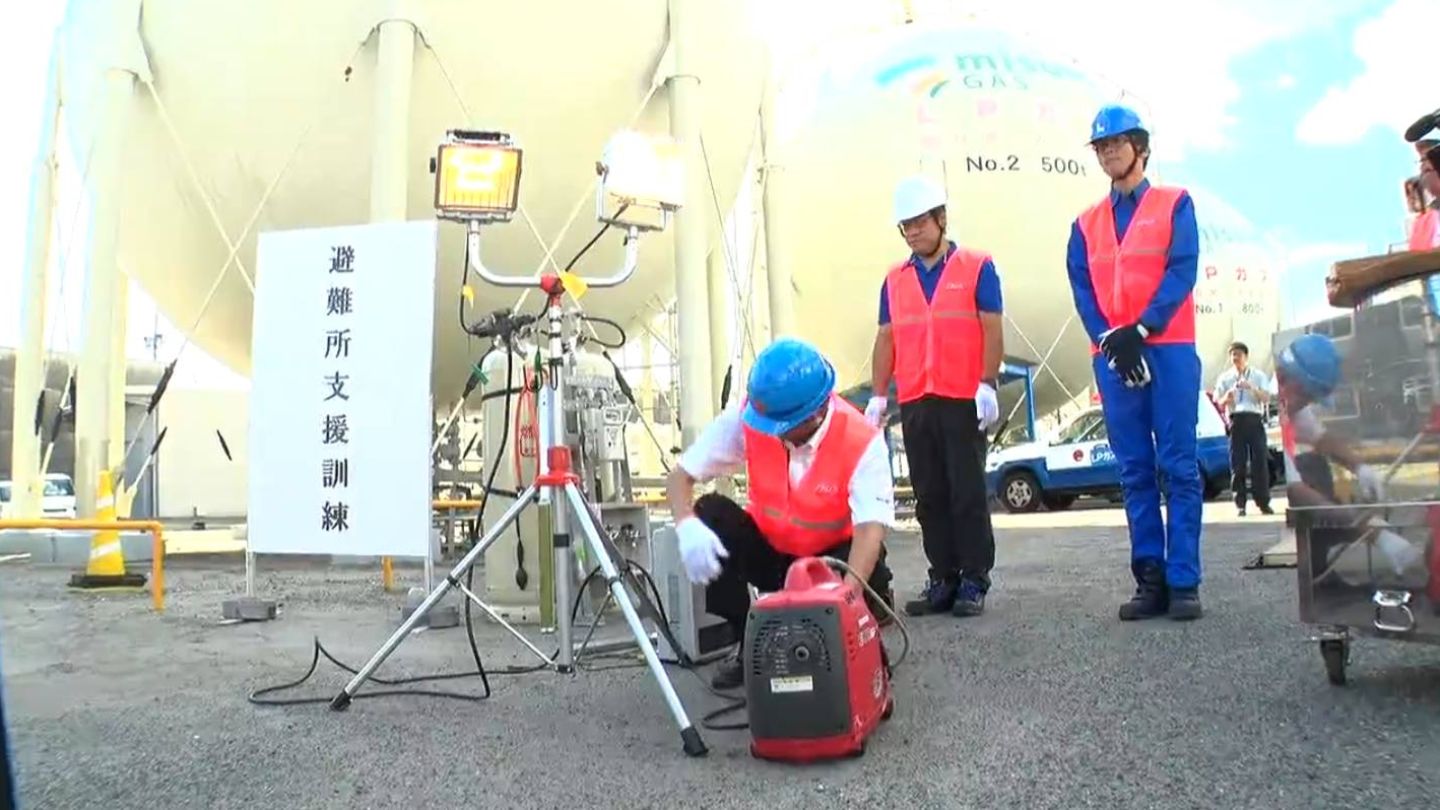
{"x":1398,"y":84}
{"x":1285,"y":82}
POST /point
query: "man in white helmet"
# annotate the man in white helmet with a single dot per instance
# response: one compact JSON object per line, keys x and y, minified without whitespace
{"x":940,"y":340}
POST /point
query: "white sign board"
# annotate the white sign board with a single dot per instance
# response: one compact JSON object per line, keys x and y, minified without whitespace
{"x":340,"y":417}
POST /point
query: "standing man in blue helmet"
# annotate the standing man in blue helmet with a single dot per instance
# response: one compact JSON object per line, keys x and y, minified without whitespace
{"x":1132,"y":263}
{"x":818,"y":485}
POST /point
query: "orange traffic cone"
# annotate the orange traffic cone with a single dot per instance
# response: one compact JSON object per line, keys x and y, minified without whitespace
{"x":106,"y":568}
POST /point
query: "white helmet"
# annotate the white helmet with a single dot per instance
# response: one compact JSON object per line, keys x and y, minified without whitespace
{"x":916,"y":195}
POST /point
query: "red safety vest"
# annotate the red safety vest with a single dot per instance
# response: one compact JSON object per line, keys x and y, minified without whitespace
{"x":813,"y":517}
{"x":1422,"y":230}
{"x":939,"y":347}
{"x":1125,"y":276}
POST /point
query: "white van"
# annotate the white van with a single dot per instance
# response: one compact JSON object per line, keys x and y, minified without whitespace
{"x":58,"y":500}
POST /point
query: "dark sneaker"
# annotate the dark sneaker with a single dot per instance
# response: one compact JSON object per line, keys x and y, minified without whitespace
{"x":1266,"y":510}
{"x":881,"y":614}
{"x":970,"y":601}
{"x":937,"y":597}
{"x":1151,"y":597}
{"x":1185,"y":604}
{"x":1240,"y":511}
{"x":730,"y":674}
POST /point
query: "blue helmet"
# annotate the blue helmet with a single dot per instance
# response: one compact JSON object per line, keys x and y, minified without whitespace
{"x":1115,"y":119}
{"x":1313,"y":363}
{"x":789,"y":382}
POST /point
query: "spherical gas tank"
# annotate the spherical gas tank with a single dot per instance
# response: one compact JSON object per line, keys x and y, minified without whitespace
{"x":1237,"y":288}
{"x":1003,"y":125}
{"x":266,"y":109}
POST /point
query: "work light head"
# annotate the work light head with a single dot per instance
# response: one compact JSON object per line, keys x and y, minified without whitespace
{"x":477,"y":176}
{"x":642,"y":181}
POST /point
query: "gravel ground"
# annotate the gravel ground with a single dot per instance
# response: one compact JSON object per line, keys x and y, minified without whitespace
{"x":1046,"y":701}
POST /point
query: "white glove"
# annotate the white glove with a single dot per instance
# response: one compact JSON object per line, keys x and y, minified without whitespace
{"x":1354,"y":563}
{"x":1400,"y":553}
{"x":875,"y":411}
{"x":1372,"y":488}
{"x":987,"y":408}
{"x":700,"y":550}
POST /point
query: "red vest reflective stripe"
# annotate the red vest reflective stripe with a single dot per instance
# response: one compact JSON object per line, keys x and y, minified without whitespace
{"x":813,"y":517}
{"x":1423,"y":230}
{"x":939,"y":346}
{"x":1125,"y":276}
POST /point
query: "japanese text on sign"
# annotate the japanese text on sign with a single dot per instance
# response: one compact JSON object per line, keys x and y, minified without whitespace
{"x":340,"y":399}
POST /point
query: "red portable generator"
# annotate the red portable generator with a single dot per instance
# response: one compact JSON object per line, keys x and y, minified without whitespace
{"x":817,"y":680}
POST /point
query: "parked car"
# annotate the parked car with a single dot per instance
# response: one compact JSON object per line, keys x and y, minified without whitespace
{"x":1076,"y":460}
{"x":58,"y":499}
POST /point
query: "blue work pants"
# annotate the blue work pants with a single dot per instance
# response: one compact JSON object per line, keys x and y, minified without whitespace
{"x":1152,"y":434}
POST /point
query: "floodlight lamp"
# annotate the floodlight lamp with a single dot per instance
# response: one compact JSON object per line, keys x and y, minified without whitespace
{"x":477,"y":176}
{"x":641,"y":181}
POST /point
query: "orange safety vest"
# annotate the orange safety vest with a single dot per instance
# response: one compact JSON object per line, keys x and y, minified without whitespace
{"x":813,"y":517}
{"x":1423,"y":229}
{"x":939,"y":347}
{"x":1125,"y":276}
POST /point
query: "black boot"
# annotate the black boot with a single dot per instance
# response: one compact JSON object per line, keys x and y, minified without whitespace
{"x":937,"y":597}
{"x":1151,"y":597}
{"x":1185,"y":604}
{"x":730,"y":673}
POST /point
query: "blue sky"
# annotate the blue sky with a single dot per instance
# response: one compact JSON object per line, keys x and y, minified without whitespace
{"x":1312,"y":152}
{"x":1324,"y":192}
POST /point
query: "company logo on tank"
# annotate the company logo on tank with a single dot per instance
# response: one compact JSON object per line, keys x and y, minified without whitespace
{"x":932,"y":75}
{"x":1013,"y":98}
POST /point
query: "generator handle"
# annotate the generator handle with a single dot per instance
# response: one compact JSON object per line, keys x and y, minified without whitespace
{"x":808,"y":572}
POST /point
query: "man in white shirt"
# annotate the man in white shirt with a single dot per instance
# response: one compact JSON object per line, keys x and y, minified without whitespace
{"x":839,"y":506}
{"x":1244,"y":392}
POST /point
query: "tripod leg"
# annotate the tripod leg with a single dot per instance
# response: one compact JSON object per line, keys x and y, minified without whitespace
{"x":342,"y":700}
{"x":689,"y":735}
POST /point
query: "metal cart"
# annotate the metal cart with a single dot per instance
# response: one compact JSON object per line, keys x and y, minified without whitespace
{"x":1369,"y":566}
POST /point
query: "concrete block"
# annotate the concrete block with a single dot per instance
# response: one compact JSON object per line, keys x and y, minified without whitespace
{"x":444,"y":614}
{"x":38,"y":543}
{"x":71,"y":547}
{"x":248,"y":609}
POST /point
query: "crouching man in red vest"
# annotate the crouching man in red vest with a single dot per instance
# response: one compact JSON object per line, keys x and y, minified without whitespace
{"x":819,"y":484}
